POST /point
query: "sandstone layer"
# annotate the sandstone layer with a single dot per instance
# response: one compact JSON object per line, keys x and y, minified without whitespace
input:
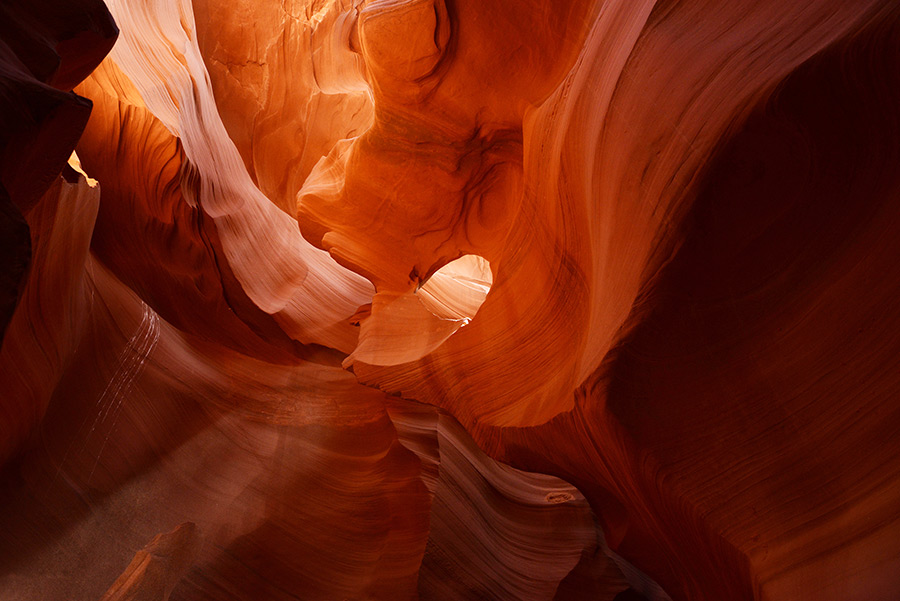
{"x":449,"y":300}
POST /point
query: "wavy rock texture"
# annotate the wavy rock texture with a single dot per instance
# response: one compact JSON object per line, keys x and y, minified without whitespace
{"x":495,"y":533}
{"x":297,"y":482}
{"x":450,"y":299}
{"x":46,"y":48}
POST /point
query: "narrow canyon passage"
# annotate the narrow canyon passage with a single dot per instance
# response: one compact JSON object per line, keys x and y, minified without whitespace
{"x":449,"y":300}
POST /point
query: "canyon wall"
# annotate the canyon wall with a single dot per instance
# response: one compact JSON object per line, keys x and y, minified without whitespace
{"x":450,"y":299}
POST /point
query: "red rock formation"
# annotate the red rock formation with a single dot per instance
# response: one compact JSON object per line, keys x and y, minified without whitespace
{"x":645,"y":247}
{"x":46,"y":48}
{"x":298,"y":482}
{"x":685,"y":453}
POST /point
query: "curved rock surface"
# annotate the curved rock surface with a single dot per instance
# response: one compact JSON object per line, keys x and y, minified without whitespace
{"x":297,"y":482}
{"x":450,"y":300}
{"x":46,"y":48}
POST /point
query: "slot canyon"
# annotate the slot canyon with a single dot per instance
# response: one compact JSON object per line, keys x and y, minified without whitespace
{"x":449,"y":300}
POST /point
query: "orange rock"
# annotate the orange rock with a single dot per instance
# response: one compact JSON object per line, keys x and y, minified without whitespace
{"x":645,"y":247}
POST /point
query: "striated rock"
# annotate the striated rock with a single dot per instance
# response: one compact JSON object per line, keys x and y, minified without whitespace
{"x":620,"y":164}
{"x":287,"y":88}
{"x":294,"y":477}
{"x":297,"y":481}
{"x":399,"y":328}
{"x":495,"y":532}
{"x":46,"y":48}
{"x":446,"y":299}
{"x":149,"y":235}
{"x":46,"y":328}
{"x":309,"y":296}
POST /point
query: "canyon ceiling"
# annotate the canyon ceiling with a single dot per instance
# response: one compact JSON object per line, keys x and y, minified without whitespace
{"x":449,"y":300}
